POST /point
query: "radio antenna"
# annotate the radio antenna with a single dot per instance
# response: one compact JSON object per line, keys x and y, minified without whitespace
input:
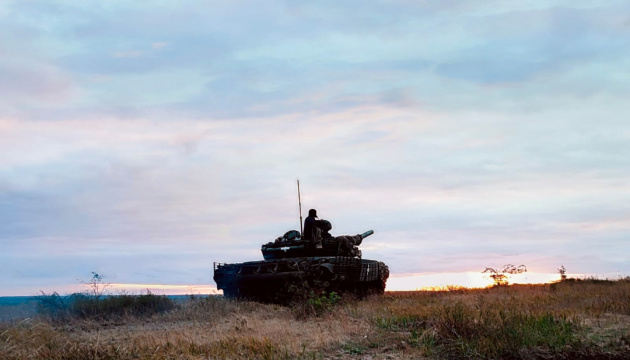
{"x":300,"y":204}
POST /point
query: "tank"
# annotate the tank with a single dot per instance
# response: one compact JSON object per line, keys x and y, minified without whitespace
{"x":292,"y":262}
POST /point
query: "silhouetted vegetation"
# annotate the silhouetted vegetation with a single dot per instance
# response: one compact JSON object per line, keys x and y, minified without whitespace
{"x":563,"y":273}
{"x":81,"y":305}
{"x":94,"y":303}
{"x":500,"y":276}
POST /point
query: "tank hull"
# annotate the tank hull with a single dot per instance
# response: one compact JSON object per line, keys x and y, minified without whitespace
{"x":265,"y":280}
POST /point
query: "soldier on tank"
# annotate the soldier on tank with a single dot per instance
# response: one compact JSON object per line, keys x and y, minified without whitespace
{"x":312,"y":231}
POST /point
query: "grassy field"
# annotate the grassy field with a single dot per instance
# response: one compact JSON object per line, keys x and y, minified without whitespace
{"x":588,"y":319}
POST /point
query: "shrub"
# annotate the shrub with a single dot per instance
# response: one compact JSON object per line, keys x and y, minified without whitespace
{"x":323,"y":303}
{"x":81,"y":305}
{"x":311,"y":299}
{"x":53,"y":305}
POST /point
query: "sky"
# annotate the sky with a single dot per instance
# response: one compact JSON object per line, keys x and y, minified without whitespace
{"x":146,"y":140}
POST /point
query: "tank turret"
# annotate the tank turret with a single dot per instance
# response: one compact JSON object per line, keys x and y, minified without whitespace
{"x":292,"y":245}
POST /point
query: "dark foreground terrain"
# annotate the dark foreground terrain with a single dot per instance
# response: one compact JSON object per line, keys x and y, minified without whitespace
{"x":586,"y":319}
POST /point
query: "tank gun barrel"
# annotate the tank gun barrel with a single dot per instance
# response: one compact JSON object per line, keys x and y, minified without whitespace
{"x":367,"y":233}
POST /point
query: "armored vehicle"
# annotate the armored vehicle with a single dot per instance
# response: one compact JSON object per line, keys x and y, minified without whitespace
{"x":333,"y":263}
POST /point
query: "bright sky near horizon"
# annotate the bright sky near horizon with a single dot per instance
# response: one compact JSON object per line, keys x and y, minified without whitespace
{"x":146,"y":140}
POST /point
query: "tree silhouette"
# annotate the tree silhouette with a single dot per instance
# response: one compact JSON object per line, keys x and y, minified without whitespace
{"x":96,"y":286}
{"x":563,"y":273}
{"x":500,"y":277}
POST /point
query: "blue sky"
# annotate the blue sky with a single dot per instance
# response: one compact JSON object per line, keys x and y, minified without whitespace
{"x":146,"y":140}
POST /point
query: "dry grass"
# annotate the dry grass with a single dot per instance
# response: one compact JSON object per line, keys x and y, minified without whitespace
{"x":587,"y":319}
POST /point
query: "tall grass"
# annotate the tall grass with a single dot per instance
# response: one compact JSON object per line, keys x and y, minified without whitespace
{"x":490,"y":332}
{"x":572,"y":319}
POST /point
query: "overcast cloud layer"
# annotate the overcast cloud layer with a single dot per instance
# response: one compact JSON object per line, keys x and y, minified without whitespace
{"x":146,"y":140}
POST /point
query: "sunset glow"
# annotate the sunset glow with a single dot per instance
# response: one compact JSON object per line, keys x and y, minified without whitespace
{"x":424,"y":282}
{"x":403,"y":282}
{"x":471,"y":280}
{"x":164,"y":289}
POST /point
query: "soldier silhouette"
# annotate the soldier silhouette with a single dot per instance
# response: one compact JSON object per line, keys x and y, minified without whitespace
{"x":312,"y":232}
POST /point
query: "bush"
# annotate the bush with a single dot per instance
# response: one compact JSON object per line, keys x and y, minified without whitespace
{"x":95,"y":302}
{"x":53,"y":305}
{"x":311,"y":299}
{"x":84,"y":306}
{"x":323,"y":303}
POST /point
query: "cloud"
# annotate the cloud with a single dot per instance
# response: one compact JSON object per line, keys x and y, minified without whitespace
{"x":265,"y":65}
{"x":465,"y":135}
{"x":28,"y":78}
{"x":153,"y":181}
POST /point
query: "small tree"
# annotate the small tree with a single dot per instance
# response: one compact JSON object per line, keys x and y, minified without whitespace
{"x":96,"y":286}
{"x":563,"y":273}
{"x":500,"y":277}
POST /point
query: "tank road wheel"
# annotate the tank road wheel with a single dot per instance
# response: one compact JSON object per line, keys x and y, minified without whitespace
{"x":325,"y":272}
{"x":274,"y":268}
{"x":315,"y":272}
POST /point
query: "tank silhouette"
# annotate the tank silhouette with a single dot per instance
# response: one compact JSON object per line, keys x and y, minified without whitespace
{"x":333,"y":263}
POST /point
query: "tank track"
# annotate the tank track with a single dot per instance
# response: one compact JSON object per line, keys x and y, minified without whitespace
{"x":270,"y":280}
